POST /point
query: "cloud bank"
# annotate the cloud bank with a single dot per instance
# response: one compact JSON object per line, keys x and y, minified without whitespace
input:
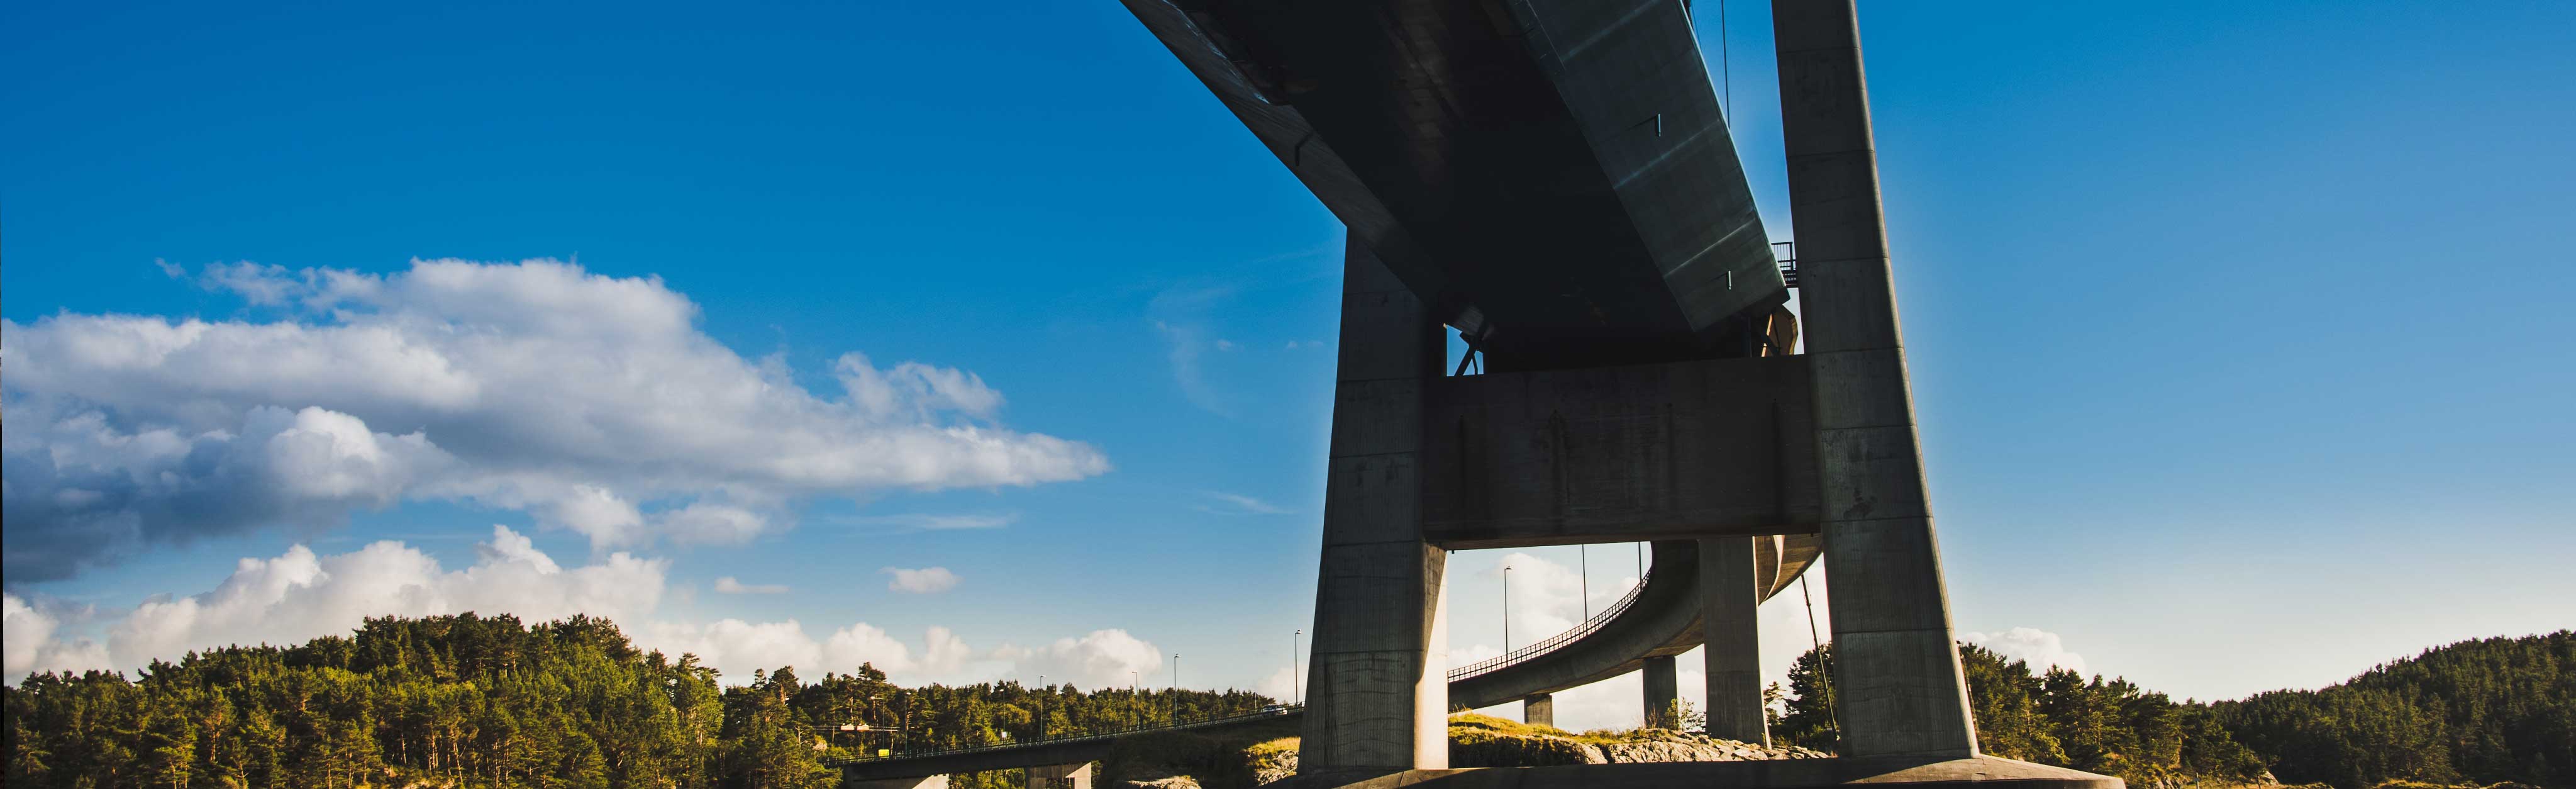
{"x":592,"y":402}
{"x":300,"y":595}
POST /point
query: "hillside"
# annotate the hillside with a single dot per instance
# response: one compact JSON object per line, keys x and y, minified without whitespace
{"x":2485,"y":711}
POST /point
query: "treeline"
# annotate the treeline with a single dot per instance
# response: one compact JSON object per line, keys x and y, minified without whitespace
{"x":2059,"y":717}
{"x":488,"y":702}
{"x":2485,"y":711}
{"x":2482,"y":712}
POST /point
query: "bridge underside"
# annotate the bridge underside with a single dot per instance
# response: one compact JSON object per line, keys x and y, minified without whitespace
{"x":1554,"y":177}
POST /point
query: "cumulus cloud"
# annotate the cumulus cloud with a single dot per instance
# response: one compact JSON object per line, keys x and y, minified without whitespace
{"x":927,"y":580}
{"x":2041,"y":648}
{"x":27,"y":642}
{"x":299,"y":595}
{"x":591,"y":402}
{"x":727,"y":585}
{"x":1100,"y":659}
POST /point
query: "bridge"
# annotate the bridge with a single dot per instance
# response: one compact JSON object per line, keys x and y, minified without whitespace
{"x":1555,"y":181}
{"x":1656,"y":620}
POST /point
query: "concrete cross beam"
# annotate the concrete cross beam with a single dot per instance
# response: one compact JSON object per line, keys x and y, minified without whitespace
{"x":1615,"y":454}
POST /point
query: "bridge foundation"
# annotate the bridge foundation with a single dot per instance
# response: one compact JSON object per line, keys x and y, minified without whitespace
{"x":1539,"y":710}
{"x":1731,"y":589}
{"x":1663,"y":692}
{"x":1377,"y":700}
{"x":1057,"y":776}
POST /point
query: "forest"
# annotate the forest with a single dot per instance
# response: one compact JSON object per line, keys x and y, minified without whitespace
{"x":458,"y":701}
{"x":488,"y":702}
{"x":2492,"y":711}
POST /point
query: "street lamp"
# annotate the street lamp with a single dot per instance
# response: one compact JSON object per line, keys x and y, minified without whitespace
{"x":1041,"y":709}
{"x":1507,"y":609}
{"x":1295,"y":685}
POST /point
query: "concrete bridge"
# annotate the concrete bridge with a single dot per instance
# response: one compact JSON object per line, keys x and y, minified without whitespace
{"x":1555,"y":181}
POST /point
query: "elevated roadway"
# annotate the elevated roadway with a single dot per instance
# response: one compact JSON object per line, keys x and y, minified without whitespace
{"x":1659,"y":617}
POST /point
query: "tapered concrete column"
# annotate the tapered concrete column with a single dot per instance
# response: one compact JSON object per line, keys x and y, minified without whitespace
{"x":930,"y":782}
{"x":1730,"y":592}
{"x":1378,"y":699}
{"x":1060,"y":776}
{"x":1663,"y":691}
{"x":1539,"y":710}
{"x":1895,"y":668}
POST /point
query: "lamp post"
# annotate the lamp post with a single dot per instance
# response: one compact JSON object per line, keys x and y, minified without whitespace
{"x":1295,"y":686}
{"x":1132,"y":709}
{"x":1041,"y":709}
{"x":1507,"y":609}
{"x":1585,"y":563}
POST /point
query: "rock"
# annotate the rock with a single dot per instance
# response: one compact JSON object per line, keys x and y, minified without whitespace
{"x":1173,"y":782}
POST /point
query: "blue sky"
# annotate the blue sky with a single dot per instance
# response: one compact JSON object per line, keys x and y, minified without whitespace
{"x":2238,"y":331}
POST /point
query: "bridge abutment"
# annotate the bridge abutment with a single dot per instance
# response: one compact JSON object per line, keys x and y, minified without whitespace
{"x":1377,"y":700}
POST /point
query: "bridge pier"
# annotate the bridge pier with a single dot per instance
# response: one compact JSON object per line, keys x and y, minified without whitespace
{"x":1377,"y":700}
{"x":1901,"y":690}
{"x":1057,"y":776}
{"x":1731,"y":588}
{"x":1539,"y":710}
{"x":1663,"y":692}
{"x":929,"y":782}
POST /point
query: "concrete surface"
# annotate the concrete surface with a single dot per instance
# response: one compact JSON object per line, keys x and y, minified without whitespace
{"x":1897,"y":670}
{"x":1539,"y":710}
{"x":1060,"y":776}
{"x":1730,"y":590}
{"x":1662,"y":686}
{"x":1980,"y":772}
{"x":1377,"y":698}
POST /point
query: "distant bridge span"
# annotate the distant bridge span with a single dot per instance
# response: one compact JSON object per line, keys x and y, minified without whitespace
{"x":1659,"y":617}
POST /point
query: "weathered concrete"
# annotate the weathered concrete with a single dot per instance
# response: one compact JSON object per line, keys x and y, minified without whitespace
{"x":1663,"y":692}
{"x":1060,"y":776}
{"x":1539,"y":710}
{"x":1377,"y":699}
{"x":1874,"y":772}
{"x":1614,"y":454}
{"x":927,"y":782}
{"x":1731,"y":589}
{"x":1895,"y":666}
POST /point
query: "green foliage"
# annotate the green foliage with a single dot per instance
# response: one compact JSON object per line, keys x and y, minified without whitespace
{"x":2058,"y":718}
{"x":472,"y":701}
{"x":2487,"y":711}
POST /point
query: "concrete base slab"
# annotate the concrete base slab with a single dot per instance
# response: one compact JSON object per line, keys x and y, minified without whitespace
{"x":1884,"y":772}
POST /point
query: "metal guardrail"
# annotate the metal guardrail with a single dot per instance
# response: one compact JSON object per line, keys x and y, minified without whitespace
{"x":1572,"y":634}
{"x":1274,"y":711}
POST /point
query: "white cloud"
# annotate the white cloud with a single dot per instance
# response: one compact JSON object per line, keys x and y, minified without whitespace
{"x":927,"y":580}
{"x":1100,"y":659}
{"x":727,"y":585}
{"x":589,"y":401}
{"x":1247,"y":503}
{"x":299,"y":595}
{"x":2041,"y":648}
{"x":27,"y":642}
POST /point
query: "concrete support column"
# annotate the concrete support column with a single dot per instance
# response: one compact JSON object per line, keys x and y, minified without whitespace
{"x":929,"y":782}
{"x":1730,"y":590}
{"x":1377,"y":700}
{"x":1663,"y":692}
{"x":1539,"y":710}
{"x":1060,"y":776}
{"x":1895,"y":668}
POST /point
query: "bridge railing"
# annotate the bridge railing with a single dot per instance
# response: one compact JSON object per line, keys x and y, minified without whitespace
{"x":1571,"y":635}
{"x":1272,"y":711}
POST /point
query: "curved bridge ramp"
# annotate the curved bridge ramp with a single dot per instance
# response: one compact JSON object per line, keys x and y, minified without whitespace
{"x":1658,"y":617}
